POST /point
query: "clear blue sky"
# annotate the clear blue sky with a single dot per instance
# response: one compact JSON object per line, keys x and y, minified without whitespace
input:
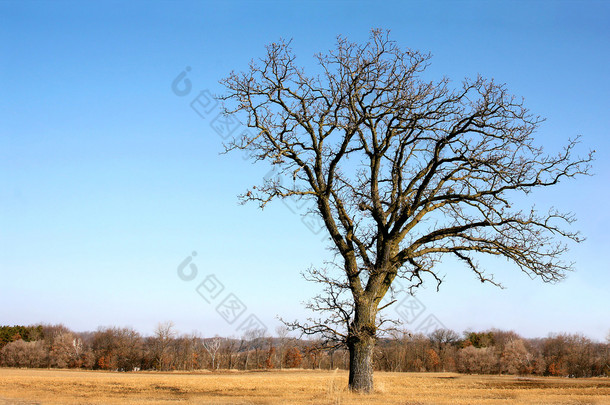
{"x":108,"y":180}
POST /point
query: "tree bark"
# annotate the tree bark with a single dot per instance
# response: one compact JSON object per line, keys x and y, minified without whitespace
{"x":361,"y":364}
{"x":361,"y":344}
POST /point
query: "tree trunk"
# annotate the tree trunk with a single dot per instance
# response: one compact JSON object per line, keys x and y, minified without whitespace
{"x":361,"y":344}
{"x":361,"y":364}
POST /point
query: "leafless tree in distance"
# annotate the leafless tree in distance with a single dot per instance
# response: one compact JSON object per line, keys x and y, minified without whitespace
{"x":403,"y":171}
{"x":163,"y":335}
{"x":211,"y":346}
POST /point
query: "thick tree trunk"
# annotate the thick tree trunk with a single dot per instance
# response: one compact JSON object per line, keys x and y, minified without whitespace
{"x":361,"y":364}
{"x":361,"y":343}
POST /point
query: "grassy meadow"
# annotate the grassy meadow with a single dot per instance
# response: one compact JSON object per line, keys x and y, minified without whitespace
{"x":43,"y":386}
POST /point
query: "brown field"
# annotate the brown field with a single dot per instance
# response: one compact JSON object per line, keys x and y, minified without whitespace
{"x":20,"y":386}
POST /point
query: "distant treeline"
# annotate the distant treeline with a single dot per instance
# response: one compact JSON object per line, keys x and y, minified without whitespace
{"x":124,"y":349}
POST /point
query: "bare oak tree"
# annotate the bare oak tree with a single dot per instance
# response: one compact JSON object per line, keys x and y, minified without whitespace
{"x":401,"y":170}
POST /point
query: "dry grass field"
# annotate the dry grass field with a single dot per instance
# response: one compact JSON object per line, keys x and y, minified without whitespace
{"x":20,"y":386}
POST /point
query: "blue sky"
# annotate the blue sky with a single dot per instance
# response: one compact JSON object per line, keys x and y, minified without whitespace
{"x":109,"y":180}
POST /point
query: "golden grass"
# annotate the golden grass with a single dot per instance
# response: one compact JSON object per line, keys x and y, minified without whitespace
{"x":20,"y":386}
